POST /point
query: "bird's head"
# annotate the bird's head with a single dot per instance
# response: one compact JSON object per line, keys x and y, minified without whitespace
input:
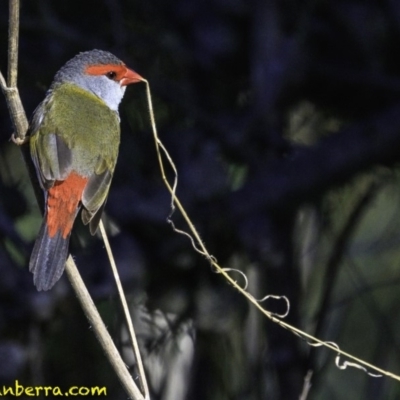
{"x":100,"y":73}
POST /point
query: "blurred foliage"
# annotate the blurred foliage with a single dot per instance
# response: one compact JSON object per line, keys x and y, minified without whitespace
{"x":283,"y":118}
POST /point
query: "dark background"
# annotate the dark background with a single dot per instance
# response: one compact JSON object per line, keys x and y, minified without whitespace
{"x":283,"y":118}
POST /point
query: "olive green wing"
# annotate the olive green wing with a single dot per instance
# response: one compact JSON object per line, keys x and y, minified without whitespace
{"x":50,"y":154}
{"x":95,"y":194}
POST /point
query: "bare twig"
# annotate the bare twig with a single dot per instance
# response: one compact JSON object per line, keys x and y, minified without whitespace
{"x":306,"y":386}
{"x":101,"y":331}
{"x":17,"y":114}
{"x":10,"y":90}
{"x":3,"y":83}
{"x":132,"y":336}
{"x":201,"y":248}
{"x":20,"y":123}
{"x":13,"y":35}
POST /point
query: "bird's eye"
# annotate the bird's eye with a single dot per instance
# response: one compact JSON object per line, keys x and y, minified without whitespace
{"x":111,"y":75}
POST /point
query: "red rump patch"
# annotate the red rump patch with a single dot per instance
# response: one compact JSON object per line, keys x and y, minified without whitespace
{"x":62,"y":203}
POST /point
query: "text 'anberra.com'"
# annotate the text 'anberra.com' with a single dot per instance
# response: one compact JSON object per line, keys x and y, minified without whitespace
{"x":18,"y":390}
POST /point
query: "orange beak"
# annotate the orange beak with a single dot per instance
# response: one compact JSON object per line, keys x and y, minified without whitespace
{"x":130,"y":77}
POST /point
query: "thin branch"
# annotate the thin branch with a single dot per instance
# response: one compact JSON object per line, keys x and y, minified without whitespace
{"x":10,"y":91}
{"x":13,"y":35}
{"x":132,"y":336}
{"x":201,"y":248}
{"x":17,"y":114}
{"x":3,"y":83}
{"x":20,"y":123}
{"x":101,"y":331}
{"x":306,"y":386}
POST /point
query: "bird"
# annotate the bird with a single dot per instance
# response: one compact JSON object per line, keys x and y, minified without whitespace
{"x":74,"y":138}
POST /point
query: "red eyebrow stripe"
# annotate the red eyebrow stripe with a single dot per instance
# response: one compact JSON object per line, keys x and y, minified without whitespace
{"x":97,"y":70}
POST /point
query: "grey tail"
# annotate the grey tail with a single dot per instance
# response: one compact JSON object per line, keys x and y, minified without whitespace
{"x":48,"y":258}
